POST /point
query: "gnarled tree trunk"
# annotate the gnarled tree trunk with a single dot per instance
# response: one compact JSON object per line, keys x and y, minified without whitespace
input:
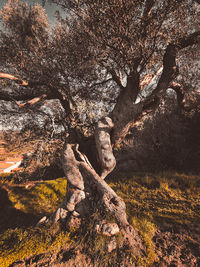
{"x":87,"y":189}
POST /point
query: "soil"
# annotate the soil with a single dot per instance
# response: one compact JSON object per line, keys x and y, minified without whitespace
{"x":178,"y":246}
{"x":175,"y":247}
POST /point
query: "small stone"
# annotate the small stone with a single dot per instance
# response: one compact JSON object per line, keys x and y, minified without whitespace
{"x":97,"y":228}
{"x":63,"y":213}
{"x":43,"y":220}
{"x":109,"y":229}
{"x":75,"y":214}
{"x":112,"y":244}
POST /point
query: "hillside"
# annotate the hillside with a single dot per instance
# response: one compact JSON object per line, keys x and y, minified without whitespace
{"x":164,"y":208}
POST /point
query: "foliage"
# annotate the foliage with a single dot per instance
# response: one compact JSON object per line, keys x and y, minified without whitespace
{"x":91,"y":50}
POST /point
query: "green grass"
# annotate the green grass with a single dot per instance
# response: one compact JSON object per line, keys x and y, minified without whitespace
{"x":16,"y":244}
{"x":152,"y":201}
{"x":164,"y":198}
{"x":40,"y":199}
{"x":27,"y":202}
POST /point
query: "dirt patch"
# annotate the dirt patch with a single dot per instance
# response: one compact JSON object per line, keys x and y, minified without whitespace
{"x":178,"y":246}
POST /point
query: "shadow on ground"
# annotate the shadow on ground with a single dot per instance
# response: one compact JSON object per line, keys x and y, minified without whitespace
{"x":10,"y":217}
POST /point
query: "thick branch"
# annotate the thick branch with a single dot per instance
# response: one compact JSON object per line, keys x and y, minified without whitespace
{"x":104,"y":147}
{"x":188,"y":40}
{"x":34,"y":97}
{"x":13,"y":78}
{"x":31,"y":97}
{"x":179,"y":92}
{"x":126,"y":113}
{"x":170,"y":69}
{"x":133,"y":86}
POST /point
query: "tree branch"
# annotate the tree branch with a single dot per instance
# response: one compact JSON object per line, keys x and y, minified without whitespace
{"x":13,"y":78}
{"x":148,"y":7}
{"x":31,"y":102}
{"x":189,"y":40}
{"x":21,"y":82}
{"x":170,"y":69}
{"x":53,"y":93}
{"x":133,"y":85}
{"x":115,"y":77}
{"x":179,"y":92}
{"x":100,"y":83}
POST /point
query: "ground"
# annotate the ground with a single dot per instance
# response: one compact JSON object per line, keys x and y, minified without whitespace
{"x":164,"y":208}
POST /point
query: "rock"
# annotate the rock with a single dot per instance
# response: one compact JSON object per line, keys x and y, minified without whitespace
{"x":112,"y":244}
{"x":60,"y":213}
{"x":75,"y":196}
{"x":43,"y":220}
{"x":63,"y":213}
{"x":108,"y":229}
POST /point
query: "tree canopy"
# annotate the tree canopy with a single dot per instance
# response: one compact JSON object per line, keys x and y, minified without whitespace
{"x":99,"y":49}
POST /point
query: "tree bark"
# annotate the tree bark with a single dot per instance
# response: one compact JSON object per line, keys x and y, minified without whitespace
{"x":87,"y":190}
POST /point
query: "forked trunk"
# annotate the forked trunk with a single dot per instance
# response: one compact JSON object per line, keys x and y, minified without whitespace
{"x":87,"y":190}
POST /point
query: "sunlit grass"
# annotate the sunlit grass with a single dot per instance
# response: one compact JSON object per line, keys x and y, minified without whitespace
{"x":17,"y":244}
{"x":42,"y":198}
{"x":173,"y":197}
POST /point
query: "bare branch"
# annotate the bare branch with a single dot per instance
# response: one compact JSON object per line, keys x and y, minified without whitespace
{"x":13,"y":78}
{"x":188,"y":40}
{"x":170,"y":69}
{"x":100,"y":83}
{"x":31,"y":102}
{"x":148,"y":7}
{"x":115,"y":77}
{"x":21,"y":82}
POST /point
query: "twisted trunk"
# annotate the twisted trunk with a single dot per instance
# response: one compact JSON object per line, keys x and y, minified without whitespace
{"x":86,"y":188}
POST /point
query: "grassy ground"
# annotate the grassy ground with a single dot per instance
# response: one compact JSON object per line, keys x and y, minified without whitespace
{"x":152,"y":201}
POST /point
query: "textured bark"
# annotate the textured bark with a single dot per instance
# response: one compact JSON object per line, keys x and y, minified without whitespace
{"x":88,"y":191}
{"x":104,"y":146}
{"x":125,"y":111}
{"x":85,"y":186}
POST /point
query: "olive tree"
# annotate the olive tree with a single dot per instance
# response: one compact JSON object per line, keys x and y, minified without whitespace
{"x":115,"y":59}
